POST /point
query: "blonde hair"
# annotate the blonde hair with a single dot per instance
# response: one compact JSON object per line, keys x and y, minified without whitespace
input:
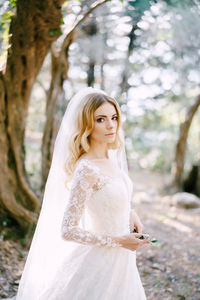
{"x":79,"y":141}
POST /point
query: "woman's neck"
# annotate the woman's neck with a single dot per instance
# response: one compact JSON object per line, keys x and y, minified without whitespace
{"x":98,"y":151}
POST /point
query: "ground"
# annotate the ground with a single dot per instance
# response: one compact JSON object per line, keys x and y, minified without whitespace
{"x":169,"y":269}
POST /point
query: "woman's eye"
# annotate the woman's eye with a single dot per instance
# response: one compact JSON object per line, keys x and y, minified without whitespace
{"x":100,"y":120}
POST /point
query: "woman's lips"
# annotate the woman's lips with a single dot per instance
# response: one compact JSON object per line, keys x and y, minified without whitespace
{"x":112,"y":133}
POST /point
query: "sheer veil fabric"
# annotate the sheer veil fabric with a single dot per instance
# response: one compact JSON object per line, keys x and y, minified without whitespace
{"x":48,"y":250}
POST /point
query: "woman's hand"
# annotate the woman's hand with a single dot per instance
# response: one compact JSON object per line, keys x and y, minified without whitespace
{"x":131,"y":241}
{"x":135,"y":222}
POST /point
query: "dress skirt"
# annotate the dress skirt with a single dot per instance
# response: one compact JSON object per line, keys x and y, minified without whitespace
{"x":97,"y":273}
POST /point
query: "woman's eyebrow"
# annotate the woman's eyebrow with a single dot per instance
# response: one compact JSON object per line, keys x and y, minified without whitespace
{"x":105,"y":116}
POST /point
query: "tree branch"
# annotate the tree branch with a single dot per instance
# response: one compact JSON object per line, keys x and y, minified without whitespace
{"x":42,"y":86}
{"x":78,"y":22}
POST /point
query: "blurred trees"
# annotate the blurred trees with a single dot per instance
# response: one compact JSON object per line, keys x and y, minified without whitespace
{"x":166,"y":62}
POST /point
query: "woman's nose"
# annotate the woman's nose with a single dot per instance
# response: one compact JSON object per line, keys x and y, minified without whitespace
{"x":110,"y":124}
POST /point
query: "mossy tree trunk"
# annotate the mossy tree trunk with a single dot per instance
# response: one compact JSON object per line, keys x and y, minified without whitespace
{"x":33,"y":29}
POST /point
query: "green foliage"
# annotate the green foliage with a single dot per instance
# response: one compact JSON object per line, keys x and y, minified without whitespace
{"x":23,"y":241}
{"x":9,"y":228}
{"x":6,"y":222}
{"x":5,"y":19}
{"x":22,"y":155}
{"x":55,"y":31}
{"x":21,"y":254}
{"x":140,"y":5}
{"x":180,"y":3}
{"x":62,"y":21}
{"x":13,"y":3}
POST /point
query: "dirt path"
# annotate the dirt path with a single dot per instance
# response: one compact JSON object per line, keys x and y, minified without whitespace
{"x":170,"y":269}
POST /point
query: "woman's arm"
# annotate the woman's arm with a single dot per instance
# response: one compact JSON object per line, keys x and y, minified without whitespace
{"x":81,"y":191}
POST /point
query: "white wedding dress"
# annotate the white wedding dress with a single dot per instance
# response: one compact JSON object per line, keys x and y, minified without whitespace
{"x":98,"y":267}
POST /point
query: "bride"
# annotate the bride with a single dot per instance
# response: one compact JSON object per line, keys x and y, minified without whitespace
{"x":84,"y":247}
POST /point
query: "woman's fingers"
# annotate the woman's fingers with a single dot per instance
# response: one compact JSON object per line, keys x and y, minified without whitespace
{"x":138,"y":234}
{"x":138,"y":227}
{"x":142,"y":243}
{"x":133,"y":242}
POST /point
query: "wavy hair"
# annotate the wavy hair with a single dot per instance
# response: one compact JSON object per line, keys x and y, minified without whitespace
{"x":79,"y":141}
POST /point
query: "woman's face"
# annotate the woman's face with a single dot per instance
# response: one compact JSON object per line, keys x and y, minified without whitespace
{"x":105,"y":124}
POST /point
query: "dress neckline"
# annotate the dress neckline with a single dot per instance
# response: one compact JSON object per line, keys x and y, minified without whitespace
{"x":99,"y":170}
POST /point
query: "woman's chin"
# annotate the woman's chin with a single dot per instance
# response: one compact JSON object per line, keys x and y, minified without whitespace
{"x":111,"y":139}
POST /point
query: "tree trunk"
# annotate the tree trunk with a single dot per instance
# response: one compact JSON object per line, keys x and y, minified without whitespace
{"x":33,"y":29}
{"x":124,"y":85}
{"x":192,"y":183}
{"x":178,"y":165}
{"x":90,"y":73}
{"x":90,"y":30}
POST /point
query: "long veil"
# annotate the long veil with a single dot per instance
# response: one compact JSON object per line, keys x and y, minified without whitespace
{"x":48,"y":250}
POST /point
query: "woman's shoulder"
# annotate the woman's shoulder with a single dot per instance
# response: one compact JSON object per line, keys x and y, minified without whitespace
{"x":87,"y":165}
{"x":94,"y":163}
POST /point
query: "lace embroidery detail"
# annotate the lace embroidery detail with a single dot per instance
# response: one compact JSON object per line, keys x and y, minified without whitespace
{"x":86,"y":180}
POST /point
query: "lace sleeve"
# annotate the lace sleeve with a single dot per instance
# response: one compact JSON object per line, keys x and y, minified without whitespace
{"x":85,"y":178}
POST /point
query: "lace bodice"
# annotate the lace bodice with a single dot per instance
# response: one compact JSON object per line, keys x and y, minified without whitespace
{"x":107,"y":203}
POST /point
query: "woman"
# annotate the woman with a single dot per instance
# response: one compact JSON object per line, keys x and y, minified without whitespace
{"x":83,"y":247}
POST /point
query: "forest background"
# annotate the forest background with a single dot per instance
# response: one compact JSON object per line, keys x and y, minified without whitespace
{"x":145,"y":54}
